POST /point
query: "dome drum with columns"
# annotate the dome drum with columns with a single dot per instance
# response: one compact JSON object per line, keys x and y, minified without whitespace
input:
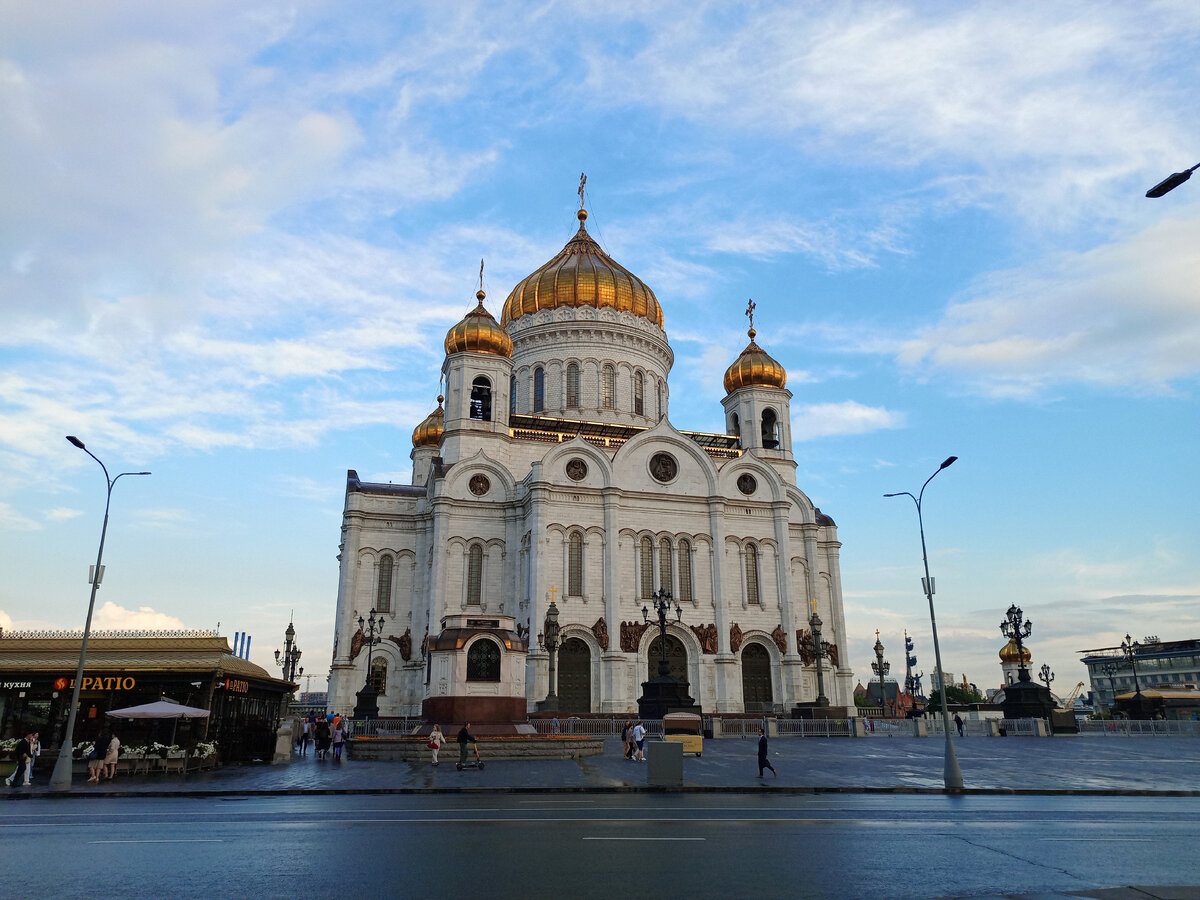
{"x":553,"y":471}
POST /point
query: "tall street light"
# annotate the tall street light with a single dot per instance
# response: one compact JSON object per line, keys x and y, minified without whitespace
{"x":881,"y":667}
{"x":952,"y":774}
{"x":60,"y":778}
{"x":1171,"y":182}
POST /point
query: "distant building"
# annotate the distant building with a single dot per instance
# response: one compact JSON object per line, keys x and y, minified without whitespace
{"x":1167,"y":671}
{"x":935,"y":680}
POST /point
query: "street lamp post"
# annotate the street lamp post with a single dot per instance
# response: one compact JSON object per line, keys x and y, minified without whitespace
{"x":662,"y":606}
{"x":549,"y":640}
{"x":60,"y":778}
{"x":368,"y":697}
{"x":290,"y":657}
{"x":952,"y":774}
{"x":1016,"y":631}
{"x":820,"y":648}
{"x":1171,"y":182}
{"x":1109,"y":670}
{"x":1047,"y":676}
{"x":880,"y":667}
{"x":1130,"y":648}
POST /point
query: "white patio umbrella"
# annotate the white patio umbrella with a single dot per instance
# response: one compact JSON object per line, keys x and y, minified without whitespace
{"x":160,"y":709}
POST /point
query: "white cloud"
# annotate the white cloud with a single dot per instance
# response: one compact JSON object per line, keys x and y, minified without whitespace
{"x":62,"y":513}
{"x":11,"y":520}
{"x":111,"y":617}
{"x":848,"y":417}
{"x":1123,"y":315}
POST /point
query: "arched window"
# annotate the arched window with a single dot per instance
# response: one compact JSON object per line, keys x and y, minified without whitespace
{"x":483,"y":661}
{"x":664,"y":566}
{"x":751,"y":574}
{"x":608,"y":387}
{"x":735,"y":428}
{"x":770,"y":430}
{"x":662,"y":408}
{"x":573,"y":386}
{"x":379,"y":675}
{"x":512,"y":394}
{"x":647,"y":565}
{"x":639,"y":385}
{"x":481,"y":399}
{"x":383,"y":590}
{"x":474,"y":574}
{"x":685,"y":569}
{"x":539,"y":389}
{"x":575,"y":565}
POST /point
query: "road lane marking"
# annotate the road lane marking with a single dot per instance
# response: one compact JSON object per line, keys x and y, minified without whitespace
{"x":1117,"y":840}
{"x":643,"y":839}
{"x":166,"y":841}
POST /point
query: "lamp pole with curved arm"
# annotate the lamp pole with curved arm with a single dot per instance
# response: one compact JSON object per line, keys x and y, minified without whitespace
{"x":952,"y":774}
{"x":60,"y":778}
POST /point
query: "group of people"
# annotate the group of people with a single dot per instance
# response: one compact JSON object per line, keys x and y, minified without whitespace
{"x":328,"y":735}
{"x":27,"y":750}
{"x":102,"y":758}
{"x":437,"y":739}
{"x":633,"y":738}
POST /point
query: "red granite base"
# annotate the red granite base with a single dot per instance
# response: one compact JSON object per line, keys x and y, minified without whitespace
{"x":487,"y":715}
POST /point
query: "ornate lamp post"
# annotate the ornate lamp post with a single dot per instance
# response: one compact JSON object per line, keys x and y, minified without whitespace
{"x":290,"y":657}
{"x":952,"y":774}
{"x":60,"y":778}
{"x":1047,"y":676}
{"x":1016,"y":631}
{"x":820,"y":649}
{"x":1110,"y":669}
{"x":662,"y":607}
{"x":1130,"y":648}
{"x":664,"y":693}
{"x":880,"y":667}
{"x":549,"y":640}
{"x":368,"y":698}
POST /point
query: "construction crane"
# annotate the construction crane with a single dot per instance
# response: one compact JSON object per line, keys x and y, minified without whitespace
{"x":1068,"y":702}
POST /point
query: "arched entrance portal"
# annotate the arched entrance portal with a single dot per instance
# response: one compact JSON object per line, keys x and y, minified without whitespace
{"x":756,"y":678}
{"x":677,"y":659}
{"x":574,"y":676}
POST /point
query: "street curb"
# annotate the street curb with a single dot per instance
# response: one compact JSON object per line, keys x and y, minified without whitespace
{"x":610,"y":789}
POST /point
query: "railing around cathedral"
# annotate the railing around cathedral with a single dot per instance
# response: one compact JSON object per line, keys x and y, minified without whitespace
{"x":1139,"y":727}
{"x":385,"y":727}
{"x":814,"y":727}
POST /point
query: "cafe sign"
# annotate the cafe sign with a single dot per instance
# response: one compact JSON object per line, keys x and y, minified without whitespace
{"x":98,"y":683}
{"x":238,"y":687}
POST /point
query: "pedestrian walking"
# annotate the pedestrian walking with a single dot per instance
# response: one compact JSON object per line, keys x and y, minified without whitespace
{"x":627,"y":739}
{"x":464,"y":738}
{"x":96,"y":758}
{"x":322,"y":738}
{"x":763,"y":762}
{"x":339,"y":738}
{"x":958,"y":723}
{"x":436,"y":739}
{"x":639,"y":738}
{"x":305,"y":735}
{"x":110,"y":756}
{"x":35,"y":750}
{"x":21,"y":754}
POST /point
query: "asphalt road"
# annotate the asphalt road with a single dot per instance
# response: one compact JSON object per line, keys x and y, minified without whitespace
{"x":756,"y":845}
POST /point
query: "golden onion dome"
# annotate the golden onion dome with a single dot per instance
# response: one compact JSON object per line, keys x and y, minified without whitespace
{"x":754,"y":368}
{"x":429,"y":432}
{"x":582,"y":275}
{"x":479,"y":332}
{"x":1010,"y":654}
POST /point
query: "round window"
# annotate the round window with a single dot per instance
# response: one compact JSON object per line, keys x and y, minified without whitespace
{"x":479,"y":485}
{"x":746,"y":483}
{"x":663,"y":467}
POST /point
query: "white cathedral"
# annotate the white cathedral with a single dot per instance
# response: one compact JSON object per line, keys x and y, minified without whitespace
{"x":553,"y":474}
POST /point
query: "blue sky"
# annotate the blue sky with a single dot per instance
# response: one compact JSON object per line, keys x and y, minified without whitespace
{"x":233,"y":236}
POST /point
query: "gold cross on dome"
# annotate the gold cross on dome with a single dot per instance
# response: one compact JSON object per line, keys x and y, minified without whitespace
{"x":750,"y":312}
{"x":481,"y":274}
{"x":553,"y":590}
{"x":582,"y":182}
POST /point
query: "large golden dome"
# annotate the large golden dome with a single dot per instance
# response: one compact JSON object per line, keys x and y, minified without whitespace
{"x":429,"y":432}
{"x":754,"y":368}
{"x":1009,"y":653}
{"x":479,"y":332}
{"x":582,"y":275}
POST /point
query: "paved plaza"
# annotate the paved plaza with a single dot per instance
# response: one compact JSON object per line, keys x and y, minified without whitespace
{"x":1088,"y":764}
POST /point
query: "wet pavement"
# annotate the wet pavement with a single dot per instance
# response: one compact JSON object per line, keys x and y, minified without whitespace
{"x":1084,"y":764}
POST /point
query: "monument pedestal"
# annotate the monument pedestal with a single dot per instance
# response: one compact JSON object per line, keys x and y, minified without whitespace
{"x":1027,"y":700}
{"x":367,"y":706}
{"x":663,"y":695}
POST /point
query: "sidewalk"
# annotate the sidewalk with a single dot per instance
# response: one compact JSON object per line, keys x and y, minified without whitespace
{"x":1072,"y":764}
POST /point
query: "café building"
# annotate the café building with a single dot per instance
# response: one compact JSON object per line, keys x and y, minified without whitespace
{"x":129,"y":668}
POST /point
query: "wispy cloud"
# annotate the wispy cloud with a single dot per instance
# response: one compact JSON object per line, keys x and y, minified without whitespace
{"x":848,"y":417}
{"x":112,"y":616}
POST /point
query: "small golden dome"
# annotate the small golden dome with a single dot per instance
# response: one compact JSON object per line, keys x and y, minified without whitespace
{"x":429,"y":432}
{"x":1009,"y":653}
{"x":754,"y":368}
{"x":582,"y":275}
{"x":478,"y":332}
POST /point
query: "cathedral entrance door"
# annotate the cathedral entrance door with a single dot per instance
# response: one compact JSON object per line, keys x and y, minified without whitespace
{"x":677,"y":659}
{"x":756,"y":679}
{"x":574,"y":676}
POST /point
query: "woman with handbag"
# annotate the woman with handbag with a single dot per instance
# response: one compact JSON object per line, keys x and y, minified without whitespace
{"x":436,"y":739}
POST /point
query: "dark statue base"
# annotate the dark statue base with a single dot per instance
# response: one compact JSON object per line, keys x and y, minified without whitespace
{"x":367,"y":706}
{"x":663,"y":695}
{"x":1027,"y":700}
{"x":815,"y":709}
{"x":550,"y":704}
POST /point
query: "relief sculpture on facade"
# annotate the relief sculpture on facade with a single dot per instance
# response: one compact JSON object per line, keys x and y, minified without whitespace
{"x":804,"y":646}
{"x":600,"y":630}
{"x":356,"y":644}
{"x":404,"y":642}
{"x":631,"y":635}
{"x":707,"y":636}
{"x":832,"y":652}
{"x":780,"y":638}
{"x":735,"y":637}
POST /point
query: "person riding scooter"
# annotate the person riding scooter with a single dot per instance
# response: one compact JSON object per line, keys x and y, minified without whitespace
{"x":464,"y":738}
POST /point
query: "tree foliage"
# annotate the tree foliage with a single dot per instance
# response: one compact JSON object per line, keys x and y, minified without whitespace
{"x":954,"y":694}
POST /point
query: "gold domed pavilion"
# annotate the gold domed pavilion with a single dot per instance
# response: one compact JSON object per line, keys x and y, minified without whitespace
{"x":479,"y":332}
{"x":1010,"y":654}
{"x":433,"y":426}
{"x":582,"y":275}
{"x":754,"y":367}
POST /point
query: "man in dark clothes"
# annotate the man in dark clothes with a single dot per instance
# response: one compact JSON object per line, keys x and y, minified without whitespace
{"x":464,"y":738}
{"x":23,"y":753}
{"x":763,"y":762}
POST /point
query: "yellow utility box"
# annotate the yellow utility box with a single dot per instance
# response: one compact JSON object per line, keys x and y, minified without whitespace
{"x":684,"y":728}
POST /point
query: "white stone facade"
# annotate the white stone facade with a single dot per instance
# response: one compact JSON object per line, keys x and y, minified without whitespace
{"x":574,"y":492}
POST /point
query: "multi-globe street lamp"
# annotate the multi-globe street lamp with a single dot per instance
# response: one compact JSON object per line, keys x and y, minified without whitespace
{"x":60,"y":778}
{"x":662,"y":607}
{"x":1130,"y":648}
{"x":549,"y":640}
{"x":1110,"y":669}
{"x":290,"y":657}
{"x":368,"y":697}
{"x":952,"y":774}
{"x":880,"y":667}
{"x":1016,"y":630}
{"x":820,"y":648}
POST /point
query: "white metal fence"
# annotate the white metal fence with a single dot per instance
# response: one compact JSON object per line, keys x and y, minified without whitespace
{"x":814,"y":727}
{"x":1136,"y":727}
{"x":971,"y":727}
